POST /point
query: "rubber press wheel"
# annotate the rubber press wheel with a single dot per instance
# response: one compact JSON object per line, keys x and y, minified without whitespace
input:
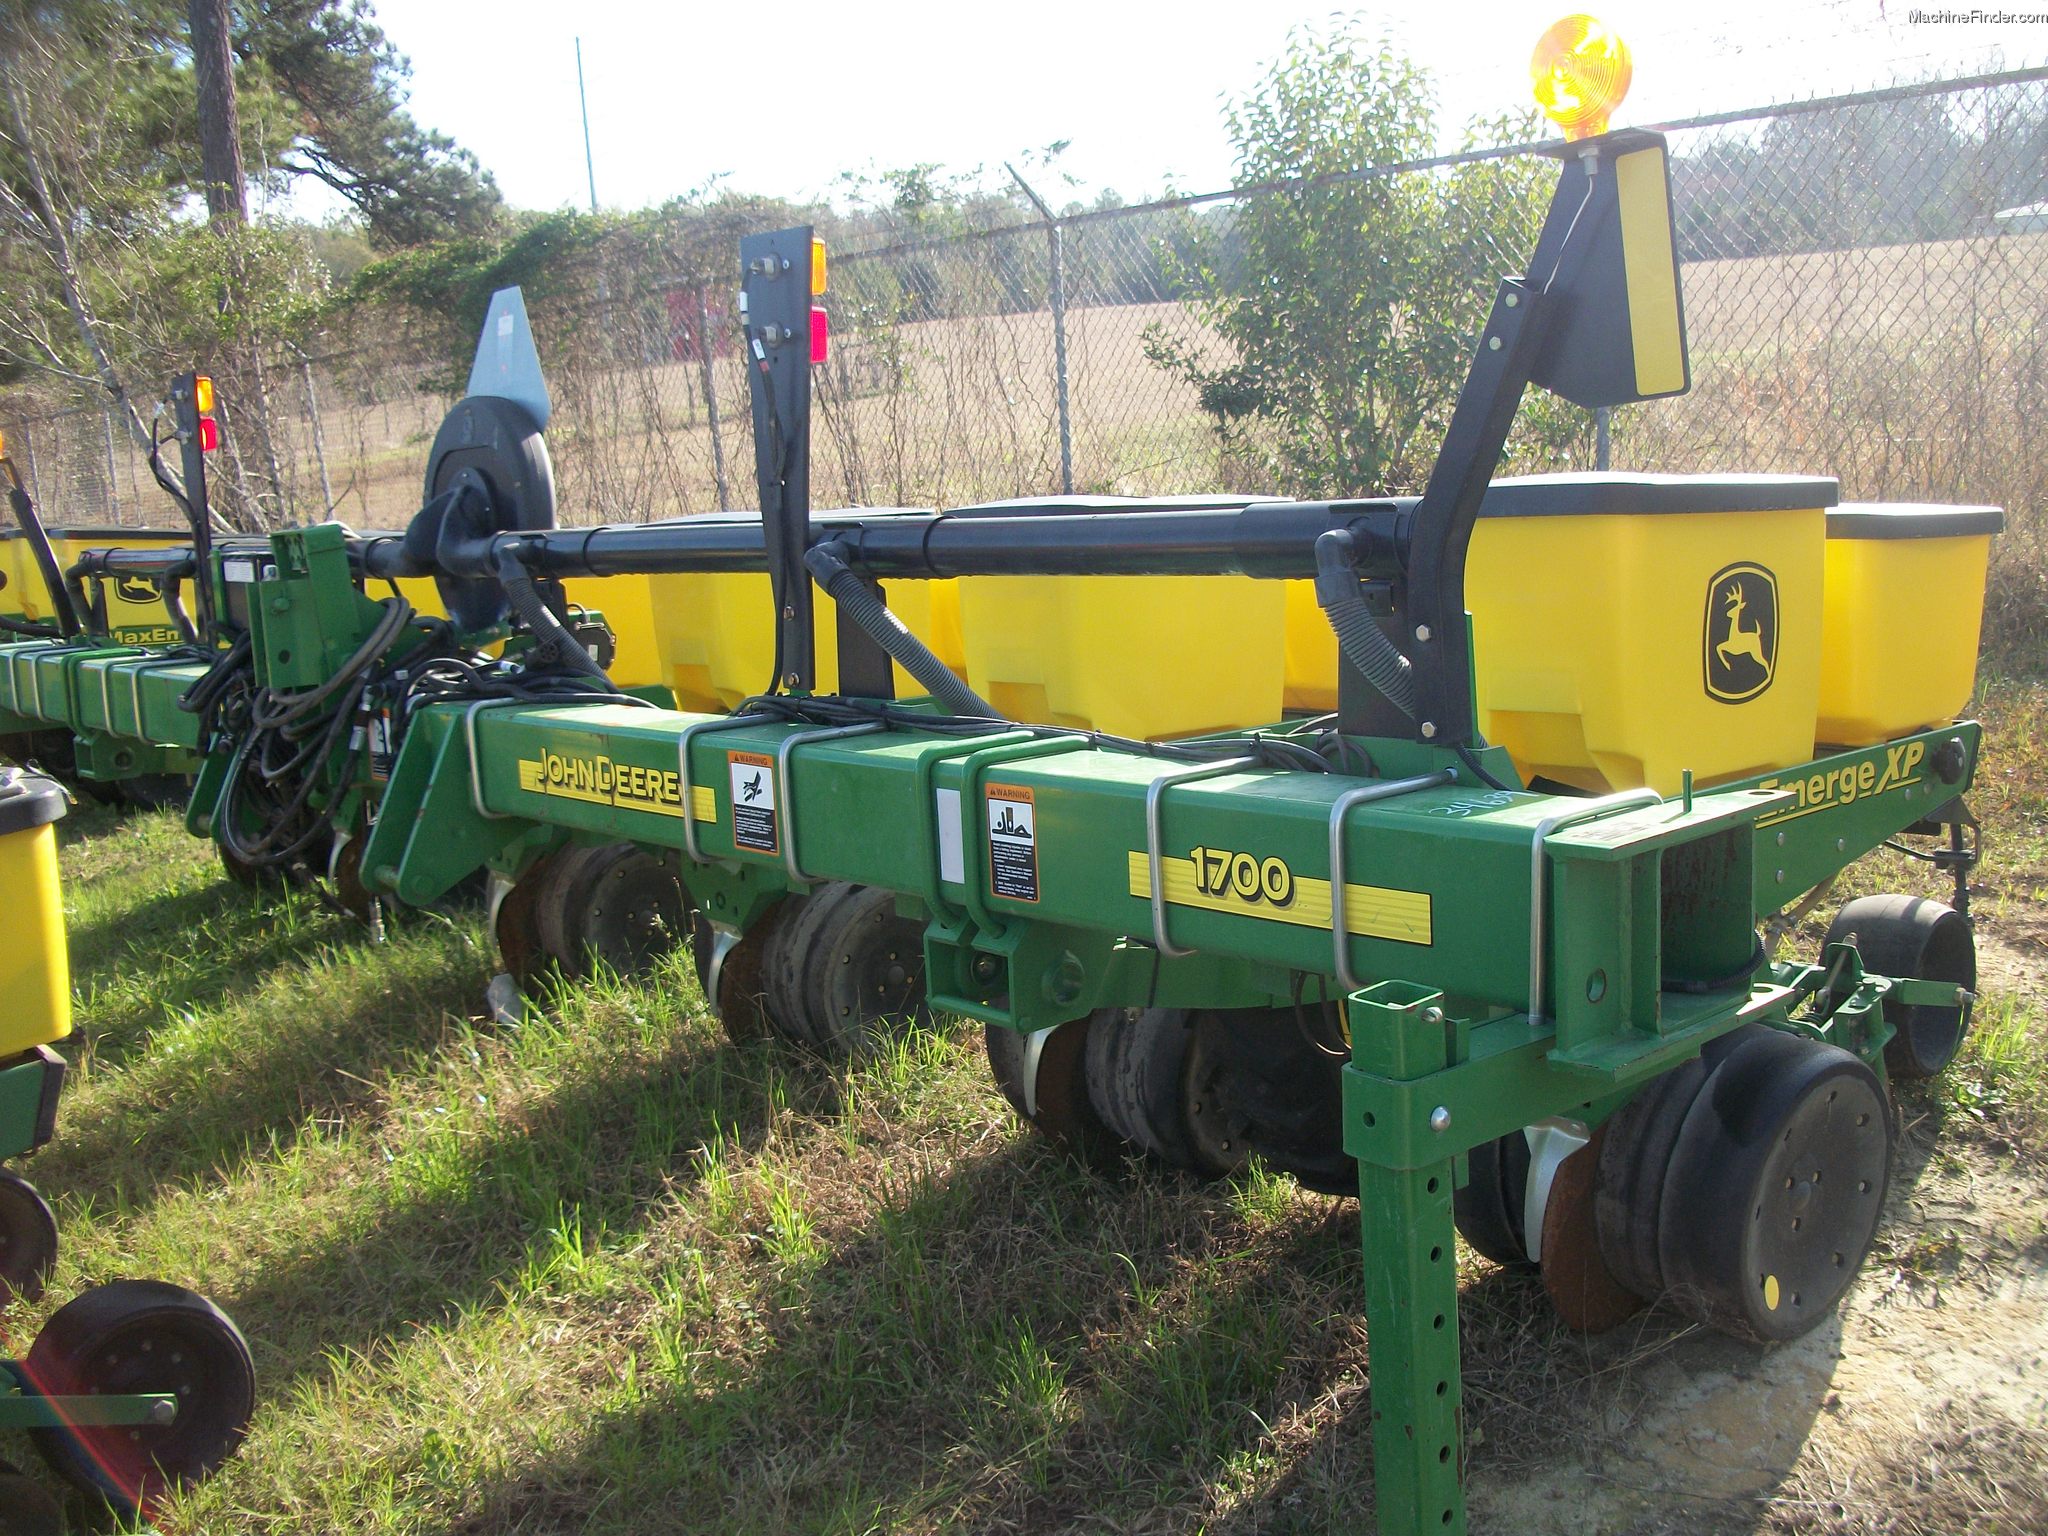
{"x":1909,"y":936}
{"x":144,"y":1336}
{"x":28,"y":1238}
{"x":864,"y":979}
{"x":1048,"y":1088}
{"x":1775,"y":1187}
{"x":26,"y":1508}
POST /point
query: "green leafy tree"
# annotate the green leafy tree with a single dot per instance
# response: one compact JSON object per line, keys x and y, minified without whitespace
{"x":1340,"y":309}
{"x":337,"y":101}
{"x":108,"y":284}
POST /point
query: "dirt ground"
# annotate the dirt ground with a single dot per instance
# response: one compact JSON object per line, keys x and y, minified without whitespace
{"x":1921,"y":1407}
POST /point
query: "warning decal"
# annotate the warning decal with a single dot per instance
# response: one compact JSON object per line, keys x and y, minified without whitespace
{"x":753,"y":801}
{"x":1012,"y":842}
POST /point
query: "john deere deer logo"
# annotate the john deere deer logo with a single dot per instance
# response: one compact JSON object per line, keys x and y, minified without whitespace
{"x":1741,"y":633}
{"x":138,"y":589}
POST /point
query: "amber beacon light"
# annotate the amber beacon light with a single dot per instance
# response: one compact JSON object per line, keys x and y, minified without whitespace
{"x":1581,"y":70}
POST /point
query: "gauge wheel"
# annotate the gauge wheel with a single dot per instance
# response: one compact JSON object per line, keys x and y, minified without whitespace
{"x":864,"y":977}
{"x":1775,"y":1187}
{"x":556,"y":917}
{"x":143,"y":1336}
{"x":1489,"y":1209}
{"x":626,"y":909}
{"x":794,"y":1008}
{"x":1137,"y":1072}
{"x":1635,"y":1155}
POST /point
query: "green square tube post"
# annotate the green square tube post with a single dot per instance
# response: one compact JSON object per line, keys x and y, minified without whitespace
{"x":1399,"y":1031}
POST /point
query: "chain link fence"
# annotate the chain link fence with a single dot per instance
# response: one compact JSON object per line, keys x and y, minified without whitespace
{"x":1863,"y":286}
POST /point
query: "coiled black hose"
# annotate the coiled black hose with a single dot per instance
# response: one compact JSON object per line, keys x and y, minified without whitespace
{"x":888,"y":631}
{"x":524,"y":596}
{"x":1364,"y":644}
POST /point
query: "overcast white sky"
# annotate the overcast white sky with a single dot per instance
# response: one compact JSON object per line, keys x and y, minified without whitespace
{"x":683,"y":93}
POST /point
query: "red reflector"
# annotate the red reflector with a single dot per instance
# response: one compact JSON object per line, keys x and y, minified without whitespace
{"x":209,"y":434}
{"x":821,"y":334}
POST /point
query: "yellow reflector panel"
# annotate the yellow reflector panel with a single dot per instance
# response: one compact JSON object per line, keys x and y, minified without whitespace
{"x":1650,"y":268}
{"x":817,"y":266}
{"x":202,"y":395}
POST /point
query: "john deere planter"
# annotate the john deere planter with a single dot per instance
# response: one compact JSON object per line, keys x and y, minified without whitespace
{"x":134,"y":1386}
{"x":1490,"y":936}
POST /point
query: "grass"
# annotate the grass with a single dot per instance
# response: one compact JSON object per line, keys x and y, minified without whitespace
{"x":609,"y":1272}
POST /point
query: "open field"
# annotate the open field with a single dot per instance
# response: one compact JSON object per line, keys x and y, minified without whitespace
{"x":609,"y":1272}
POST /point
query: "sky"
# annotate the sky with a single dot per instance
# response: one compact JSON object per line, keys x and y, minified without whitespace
{"x":682,"y":95}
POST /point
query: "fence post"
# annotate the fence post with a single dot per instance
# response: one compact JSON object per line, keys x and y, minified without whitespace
{"x":1059,"y":355}
{"x":705,"y":360}
{"x":132,"y":453}
{"x":113,"y":485}
{"x":1603,"y":443}
{"x":1057,"y":233}
{"x":264,"y":439}
{"x":319,"y":438}
{"x":28,"y":447}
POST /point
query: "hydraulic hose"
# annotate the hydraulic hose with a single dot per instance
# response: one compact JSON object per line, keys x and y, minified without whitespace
{"x":219,"y":676}
{"x":174,"y":605}
{"x":886,"y":630}
{"x":1363,"y":643}
{"x":535,"y":614}
{"x":62,"y":608}
{"x":283,"y":709}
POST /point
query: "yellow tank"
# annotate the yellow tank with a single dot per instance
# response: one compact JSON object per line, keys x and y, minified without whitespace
{"x":135,"y":608}
{"x":627,"y":603}
{"x":716,"y":635}
{"x":1628,"y":627}
{"x":1151,"y":657}
{"x":1900,"y":617}
{"x":1309,"y":677}
{"x":35,"y":967}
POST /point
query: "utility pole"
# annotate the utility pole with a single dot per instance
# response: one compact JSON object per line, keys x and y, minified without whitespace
{"x":589,"y":165}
